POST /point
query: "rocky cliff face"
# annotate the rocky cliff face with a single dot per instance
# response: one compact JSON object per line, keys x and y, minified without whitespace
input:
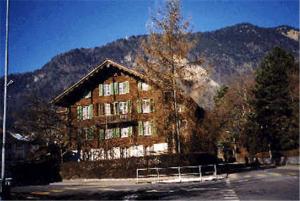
{"x":228,"y":51}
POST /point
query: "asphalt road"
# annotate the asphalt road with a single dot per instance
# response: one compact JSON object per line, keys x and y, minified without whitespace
{"x":269,"y":184}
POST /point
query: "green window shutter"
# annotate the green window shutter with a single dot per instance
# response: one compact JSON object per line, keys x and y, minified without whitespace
{"x":90,"y":111}
{"x":129,"y":106}
{"x":78,"y":112}
{"x":81,"y":112}
{"x":100,"y":89}
{"x":153,"y":128}
{"x":141,"y":128}
{"x":152,"y":107}
{"x":114,"y":133}
{"x":90,"y":133}
{"x":140,"y":86}
{"x":138,"y":106}
{"x":101,"y":134}
{"x":116,"y":88}
{"x":130,"y":131}
{"x":111,"y":87}
{"x":118,"y":132}
{"x":127,"y":86}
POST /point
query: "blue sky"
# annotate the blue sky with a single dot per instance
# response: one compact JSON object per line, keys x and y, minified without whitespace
{"x":40,"y":29}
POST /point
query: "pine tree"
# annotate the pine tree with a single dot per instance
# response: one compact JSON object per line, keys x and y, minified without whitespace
{"x":268,"y":125}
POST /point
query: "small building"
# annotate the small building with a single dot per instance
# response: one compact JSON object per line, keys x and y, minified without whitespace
{"x":116,"y":112}
{"x":17,"y":149}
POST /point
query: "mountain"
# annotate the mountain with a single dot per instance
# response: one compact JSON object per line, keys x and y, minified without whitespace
{"x":228,"y":51}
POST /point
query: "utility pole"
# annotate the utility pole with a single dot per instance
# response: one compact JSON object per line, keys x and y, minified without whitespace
{"x":3,"y":182}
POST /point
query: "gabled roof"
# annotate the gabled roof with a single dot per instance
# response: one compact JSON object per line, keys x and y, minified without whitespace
{"x":106,"y":64}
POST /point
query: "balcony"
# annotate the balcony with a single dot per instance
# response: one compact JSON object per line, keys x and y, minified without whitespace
{"x":109,"y":119}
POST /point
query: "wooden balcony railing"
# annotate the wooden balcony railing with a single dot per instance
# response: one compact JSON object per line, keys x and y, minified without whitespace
{"x":104,"y":119}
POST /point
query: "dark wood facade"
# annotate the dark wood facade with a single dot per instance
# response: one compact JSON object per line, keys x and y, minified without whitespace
{"x":128,"y":118}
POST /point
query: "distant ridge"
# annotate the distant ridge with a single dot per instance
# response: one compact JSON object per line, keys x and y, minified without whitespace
{"x":232,"y":50}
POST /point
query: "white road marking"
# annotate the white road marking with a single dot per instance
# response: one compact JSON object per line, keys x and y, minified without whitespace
{"x":230,"y":194}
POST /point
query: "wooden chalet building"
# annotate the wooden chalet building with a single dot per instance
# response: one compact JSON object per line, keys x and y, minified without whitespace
{"x":115,"y":112}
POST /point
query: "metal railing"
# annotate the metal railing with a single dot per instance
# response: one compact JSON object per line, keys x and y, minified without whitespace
{"x":193,"y":173}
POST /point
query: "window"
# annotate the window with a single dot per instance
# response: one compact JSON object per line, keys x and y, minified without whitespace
{"x":123,"y":107}
{"x":108,"y":89}
{"x":125,"y":132}
{"x":146,"y":128}
{"x":160,"y":147}
{"x":88,"y":95}
{"x":181,"y":108}
{"x":89,"y":132}
{"x":142,"y":86}
{"x":116,"y":152}
{"x":124,"y":87}
{"x":101,"y":134}
{"x":101,"y":109}
{"x":149,"y":150}
{"x":136,"y":151}
{"x":108,"y":133}
{"x":107,"y":109}
{"x":87,"y":112}
{"x":145,"y":106}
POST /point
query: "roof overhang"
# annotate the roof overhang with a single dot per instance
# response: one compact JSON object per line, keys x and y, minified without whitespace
{"x":106,"y":64}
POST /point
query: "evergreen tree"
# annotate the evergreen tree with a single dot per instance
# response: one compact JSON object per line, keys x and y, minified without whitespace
{"x":268,"y":125}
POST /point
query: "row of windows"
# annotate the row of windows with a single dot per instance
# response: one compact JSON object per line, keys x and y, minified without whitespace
{"x":116,"y":88}
{"x":124,"y":152}
{"x":145,"y":128}
{"x":123,"y":107}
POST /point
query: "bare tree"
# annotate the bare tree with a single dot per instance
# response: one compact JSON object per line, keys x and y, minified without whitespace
{"x":41,"y":122}
{"x":164,"y":55}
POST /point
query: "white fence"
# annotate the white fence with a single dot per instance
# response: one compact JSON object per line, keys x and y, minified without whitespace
{"x":177,"y":174}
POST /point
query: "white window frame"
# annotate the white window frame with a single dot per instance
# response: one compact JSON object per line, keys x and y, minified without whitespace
{"x":147,"y":126}
{"x":85,"y":112}
{"x":107,"y":89}
{"x":146,"y":106}
{"x":125,"y":132}
{"x":107,"y":109}
{"x":122,"y":88}
{"x":123,"y":108}
{"x":109,"y":133}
